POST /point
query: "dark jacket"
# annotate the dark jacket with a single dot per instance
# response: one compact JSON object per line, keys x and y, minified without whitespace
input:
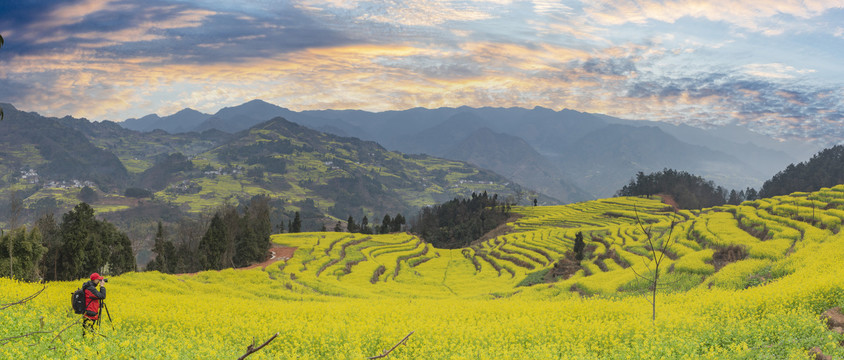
{"x":92,"y":299}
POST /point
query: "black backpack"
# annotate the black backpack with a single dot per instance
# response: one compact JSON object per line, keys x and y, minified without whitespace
{"x":77,"y":300}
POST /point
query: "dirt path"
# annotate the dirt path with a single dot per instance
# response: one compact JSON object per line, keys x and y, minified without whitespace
{"x":668,"y":199}
{"x":278,"y":253}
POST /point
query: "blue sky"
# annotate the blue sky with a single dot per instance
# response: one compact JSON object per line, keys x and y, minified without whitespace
{"x":773,"y":66}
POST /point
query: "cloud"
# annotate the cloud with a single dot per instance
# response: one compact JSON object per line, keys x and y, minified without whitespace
{"x":760,"y":16}
{"x":124,"y":58}
{"x":774,"y":71}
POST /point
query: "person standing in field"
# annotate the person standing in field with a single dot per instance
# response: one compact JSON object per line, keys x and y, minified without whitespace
{"x":92,"y":302}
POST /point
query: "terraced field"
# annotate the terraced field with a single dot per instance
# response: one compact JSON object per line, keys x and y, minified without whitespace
{"x":738,"y":282}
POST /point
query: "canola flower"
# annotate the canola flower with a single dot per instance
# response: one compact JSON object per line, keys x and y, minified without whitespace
{"x":324,"y":305}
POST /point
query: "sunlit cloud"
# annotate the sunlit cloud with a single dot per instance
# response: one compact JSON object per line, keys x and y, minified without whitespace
{"x":774,"y":71}
{"x":757,"y":16}
{"x":655,"y":60}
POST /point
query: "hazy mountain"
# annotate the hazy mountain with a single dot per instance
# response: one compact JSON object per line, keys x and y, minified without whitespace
{"x":56,"y":152}
{"x":349,"y":173}
{"x":515,"y":159}
{"x":244,"y":116}
{"x":606,"y":159}
{"x":557,"y":135}
{"x":183,"y":121}
{"x":439,"y":138}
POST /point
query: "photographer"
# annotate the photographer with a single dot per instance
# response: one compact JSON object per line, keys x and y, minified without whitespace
{"x":92,"y":301}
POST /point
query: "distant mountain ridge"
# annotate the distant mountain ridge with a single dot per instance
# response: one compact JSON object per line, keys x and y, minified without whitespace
{"x":732,"y":156}
{"x":46,"y":161}
{"x":56,"y":152}
{"x":515,"y":159}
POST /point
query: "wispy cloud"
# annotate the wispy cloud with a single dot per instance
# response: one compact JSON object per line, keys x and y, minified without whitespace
{"x":775,"y":67}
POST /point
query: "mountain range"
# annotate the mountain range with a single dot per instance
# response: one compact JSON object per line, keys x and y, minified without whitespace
{"x":569,"y":155}
{"x":45,"y":162}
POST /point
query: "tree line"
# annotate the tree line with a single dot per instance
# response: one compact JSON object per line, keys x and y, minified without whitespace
{"x":824,"y":169}
{"x":459,"y":222}
{"x":689,"y":191}
{"x":67,"y":250}
{"x":233,"y":238}
{"x":388,"y":225}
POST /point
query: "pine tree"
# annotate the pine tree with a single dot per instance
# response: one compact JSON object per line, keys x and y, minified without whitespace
{"x":579,"y":245}
{"x":76,"y":232}
{"x":213,"y":245}
{"x":397,"y":223}
{"x":386,"y":225}
{"x":159,"y":263}
{"x":364,"y":226}
{"x":26,"y":254}
{"x":51,"y":237}
{"x":297,"y":224}
{"x":350,"y":225}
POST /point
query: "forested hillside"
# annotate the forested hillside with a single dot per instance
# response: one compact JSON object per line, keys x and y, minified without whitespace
{"x":824,"y":169}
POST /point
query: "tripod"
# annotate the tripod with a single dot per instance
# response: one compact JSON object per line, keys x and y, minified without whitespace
{"x":99,"y":315}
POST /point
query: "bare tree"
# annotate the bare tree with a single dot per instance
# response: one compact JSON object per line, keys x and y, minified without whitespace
{"x":15,"y":206}
{"x":658,"y":253}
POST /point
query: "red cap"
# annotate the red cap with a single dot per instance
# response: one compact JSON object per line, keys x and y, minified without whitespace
{"x":96,"y":276}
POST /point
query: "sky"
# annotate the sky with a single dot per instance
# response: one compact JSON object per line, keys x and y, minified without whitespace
{"x":772,"y":66}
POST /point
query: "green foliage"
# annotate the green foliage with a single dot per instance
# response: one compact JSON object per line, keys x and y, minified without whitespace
{"x":824,"y":169}
{"x":296,"y":225}
{"x":89,"y":245}
{"x":134,"y":192}
{"x":235,"y":240}
{"x":165,"y":170}
{"x":51,"y":238}
{"x":690,"y":191}
{"x":88,"y":195}
{"x":457,"y":223}
{"x":579,"y":245}
{"x":26,"y":253}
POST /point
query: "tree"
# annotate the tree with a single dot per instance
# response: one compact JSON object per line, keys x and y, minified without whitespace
{"x":159,"y":247}
{"x":51,"y":237}
{"x":338,"y":227}
{"x":750,"y":194}
{"x":15,"y":206}
{"x":658,"y":255}
{"x":397,"y":223}
{"x":386,"y":224}
{"x":579,"y":245}
{"x":296,"y":226}
{"x":88,"y":195}
{"x":350,"y":225}
{"x":213,"y":244}
{"x":26,"y":253}
{"x":364,"y":226}
{"x":76,"y":235}
{"x":89,"y":245}
{"x":734,"y":198}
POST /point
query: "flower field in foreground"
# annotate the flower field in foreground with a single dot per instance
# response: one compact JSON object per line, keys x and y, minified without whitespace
{"x":351,"y":296}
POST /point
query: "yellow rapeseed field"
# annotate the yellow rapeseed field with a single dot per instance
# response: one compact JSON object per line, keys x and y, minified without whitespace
{"x":352,"y":296}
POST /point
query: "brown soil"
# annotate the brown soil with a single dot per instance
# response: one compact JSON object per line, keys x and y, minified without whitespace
{"x":278,"y":253}
{"x":668,"y":199}
{"x":834,"y":318}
